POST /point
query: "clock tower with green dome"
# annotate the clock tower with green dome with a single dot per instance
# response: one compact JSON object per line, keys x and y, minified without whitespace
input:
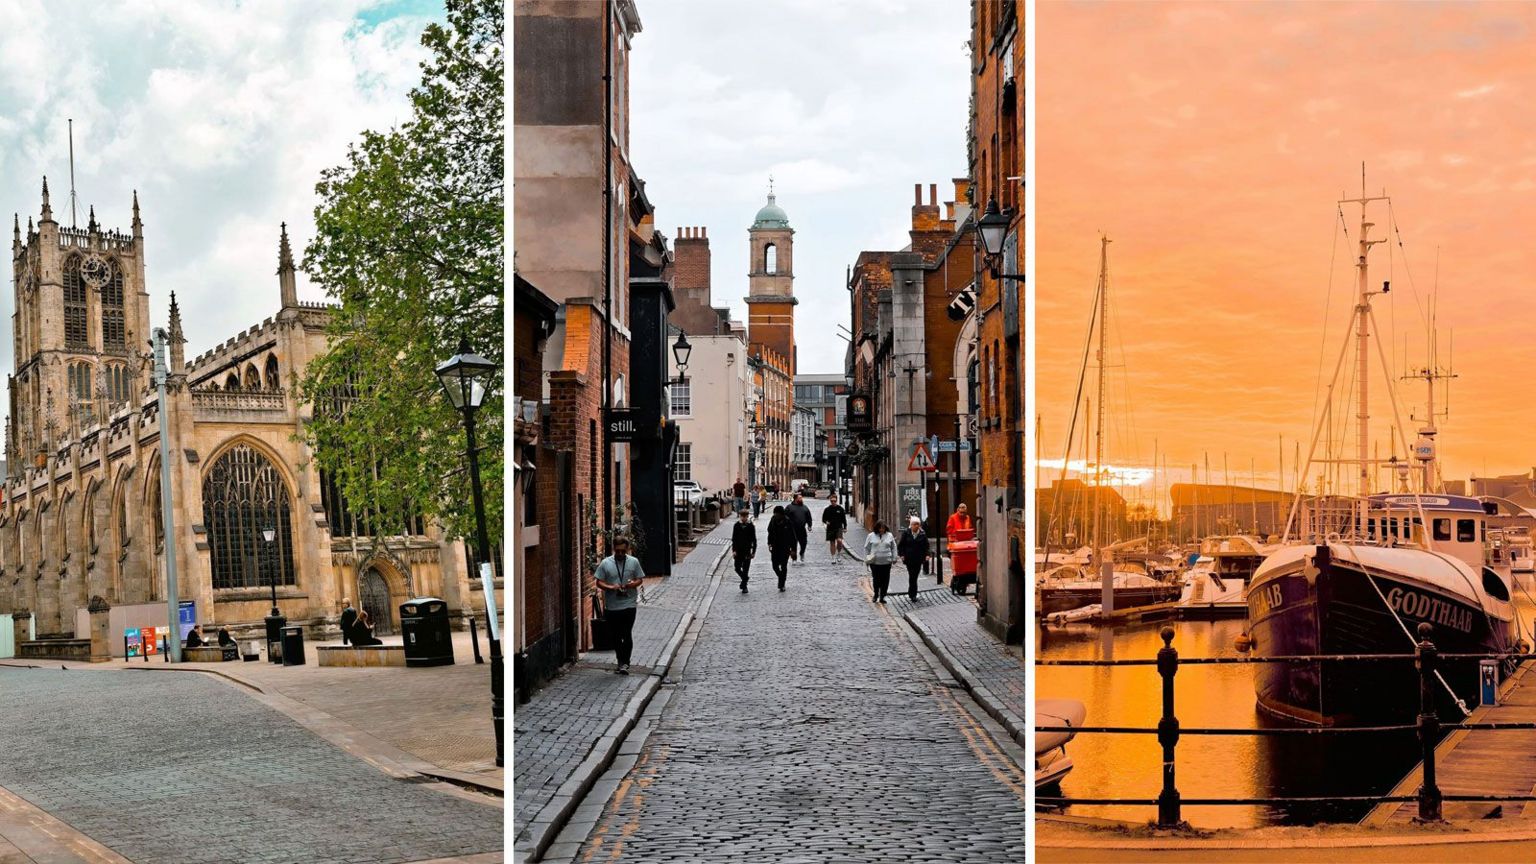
{"x":771,"y":279}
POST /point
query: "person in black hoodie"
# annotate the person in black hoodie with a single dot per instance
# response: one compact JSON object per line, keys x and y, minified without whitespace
{"x":782,"y":540}
{"x":836,"y":520}
{"x":912,"y":546}
{"x":744,"y":545}
{"x":799,"y":517}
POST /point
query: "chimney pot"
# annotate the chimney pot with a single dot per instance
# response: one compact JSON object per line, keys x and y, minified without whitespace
{"x":917,"y":194}
{"x":933,"y":194}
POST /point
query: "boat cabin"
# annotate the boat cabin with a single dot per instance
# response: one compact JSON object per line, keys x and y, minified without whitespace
{"x":1458,"y":524}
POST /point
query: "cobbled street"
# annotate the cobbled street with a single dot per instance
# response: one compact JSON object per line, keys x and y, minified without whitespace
{"x":807,"y":728}
{"x":178,"y":767}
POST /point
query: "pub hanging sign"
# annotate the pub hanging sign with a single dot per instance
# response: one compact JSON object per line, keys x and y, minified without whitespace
{"x":859,"y":419}
{"x":633,"y":424}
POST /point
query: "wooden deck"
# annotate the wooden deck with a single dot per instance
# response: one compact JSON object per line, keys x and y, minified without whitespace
{"x":1481,"y":761}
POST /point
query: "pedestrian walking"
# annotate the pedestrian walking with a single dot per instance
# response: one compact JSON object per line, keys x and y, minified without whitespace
{"x":880,"y":554}
{"x":913,"y":549}
{"x":762,"y":499}
{"x":744,"y":546}
{"x":836,"y":520}
{"x":619,"y":575}
{"x":800,"y":521}
{"x":738,"y":496}
{"x":781,"y":543}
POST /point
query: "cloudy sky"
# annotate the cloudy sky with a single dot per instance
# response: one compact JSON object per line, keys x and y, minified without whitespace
{"x":1211,"y":142}
{"x":846,"y":104}
{"x":221,"y":114}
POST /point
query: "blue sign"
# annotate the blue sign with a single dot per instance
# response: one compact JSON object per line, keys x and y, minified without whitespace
{"x":186,"y":616}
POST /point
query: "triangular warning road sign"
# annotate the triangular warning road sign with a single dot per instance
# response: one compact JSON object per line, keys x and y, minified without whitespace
{"x":921,"y":460}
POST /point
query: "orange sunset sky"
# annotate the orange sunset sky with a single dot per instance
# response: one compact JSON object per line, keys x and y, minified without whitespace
{"x":1211,"y":143}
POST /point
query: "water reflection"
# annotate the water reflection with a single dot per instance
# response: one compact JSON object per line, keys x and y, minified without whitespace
{"x":1208,"y":766}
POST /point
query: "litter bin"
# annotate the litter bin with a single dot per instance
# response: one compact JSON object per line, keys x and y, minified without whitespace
{"x":293,"y":646}
{"x":424,"y":629}
{"x":962,"y":561}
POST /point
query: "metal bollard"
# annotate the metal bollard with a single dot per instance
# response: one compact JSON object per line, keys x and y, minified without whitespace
{"x":474,"y":639}
{"x":1429,"y":726}
{"x":1168,"y":733}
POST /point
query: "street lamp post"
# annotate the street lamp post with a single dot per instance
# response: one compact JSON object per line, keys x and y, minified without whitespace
{"x":275,"y":620}
{"x":466,"y":378}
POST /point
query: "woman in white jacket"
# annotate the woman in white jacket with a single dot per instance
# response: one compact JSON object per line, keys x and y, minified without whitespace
{"x":880,"y":554}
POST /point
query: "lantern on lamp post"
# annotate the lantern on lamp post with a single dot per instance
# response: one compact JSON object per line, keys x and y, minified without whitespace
{"x":466,"y":378}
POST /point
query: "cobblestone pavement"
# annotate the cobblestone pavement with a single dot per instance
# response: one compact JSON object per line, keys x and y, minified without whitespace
{"x":806,"y":727}
{"x":997,"y":667}
{"x":183,"y":768}
{"x":556,"y":730}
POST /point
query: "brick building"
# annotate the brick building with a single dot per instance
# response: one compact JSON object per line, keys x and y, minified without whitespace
{"x":996,"y":156}
{"x":773,"y":386}
{"x":584,"y":234}
{"x":914,"y":331}
{"x":544,"y":628}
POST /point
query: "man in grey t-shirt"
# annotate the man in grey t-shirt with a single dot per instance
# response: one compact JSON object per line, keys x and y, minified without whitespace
{"x":620,"y":576}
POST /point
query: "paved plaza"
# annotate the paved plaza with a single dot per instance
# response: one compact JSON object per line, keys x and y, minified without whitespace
{"x":186,"y":768}
{"x":807,"y":726}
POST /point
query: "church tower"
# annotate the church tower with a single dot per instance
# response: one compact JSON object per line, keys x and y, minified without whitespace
{"x":771,"y":279}
{"x":80,"y":327}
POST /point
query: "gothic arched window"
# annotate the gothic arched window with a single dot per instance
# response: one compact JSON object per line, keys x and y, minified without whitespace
{"x":121,"y":506}
{"x":112,"y":310}
{"x":232,"y":382}
{"x":117,"y":384}
{"x":152,"y":501}
{"x":274,"y":377}
{"x":80,"y":389}
{"x":252,"y":378}
{"x":88,"y":520}
{"x":242,"y":495}
{"x":770,"y":258}
{"x":74,"y":306}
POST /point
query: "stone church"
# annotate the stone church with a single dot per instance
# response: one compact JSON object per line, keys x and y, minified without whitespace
{"x":80,"y":523}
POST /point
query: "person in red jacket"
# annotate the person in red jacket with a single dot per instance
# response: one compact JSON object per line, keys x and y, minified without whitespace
{"x":959,"y":520}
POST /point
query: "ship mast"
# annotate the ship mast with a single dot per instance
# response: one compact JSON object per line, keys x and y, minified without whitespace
{"x":1098,"y":430}
{"x":1424,"y":449}
{"x":1363,"y":338}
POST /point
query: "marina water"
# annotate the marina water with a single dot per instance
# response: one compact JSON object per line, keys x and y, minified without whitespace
{"x":1208,"y":766}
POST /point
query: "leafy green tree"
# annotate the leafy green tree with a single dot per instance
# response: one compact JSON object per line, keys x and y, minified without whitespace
{"x":409,"y":244}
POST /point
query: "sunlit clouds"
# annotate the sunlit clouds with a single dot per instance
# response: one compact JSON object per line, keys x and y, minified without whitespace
{"x":1211,"y":143}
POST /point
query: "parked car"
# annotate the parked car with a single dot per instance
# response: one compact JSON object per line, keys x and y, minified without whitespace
{"x":688,"y":491}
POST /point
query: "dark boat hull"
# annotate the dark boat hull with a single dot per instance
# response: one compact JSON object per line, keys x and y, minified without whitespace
{"x":1340,"y":612}
{"x":1067,"y":599}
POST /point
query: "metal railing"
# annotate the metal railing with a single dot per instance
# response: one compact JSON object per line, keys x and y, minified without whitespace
{"x":1168,"y":731}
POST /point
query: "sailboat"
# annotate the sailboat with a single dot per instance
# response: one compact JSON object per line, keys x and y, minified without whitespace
{"x":1373,"y":568}
{"x":1102,"y":580}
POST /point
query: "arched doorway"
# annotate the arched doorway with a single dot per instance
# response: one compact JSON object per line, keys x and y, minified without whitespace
{"x":373,"y":596}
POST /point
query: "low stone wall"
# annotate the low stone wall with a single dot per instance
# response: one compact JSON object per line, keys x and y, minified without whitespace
{"x":208,"y":654}
{"x":55,"y":649}
{"x":368,"y":655}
